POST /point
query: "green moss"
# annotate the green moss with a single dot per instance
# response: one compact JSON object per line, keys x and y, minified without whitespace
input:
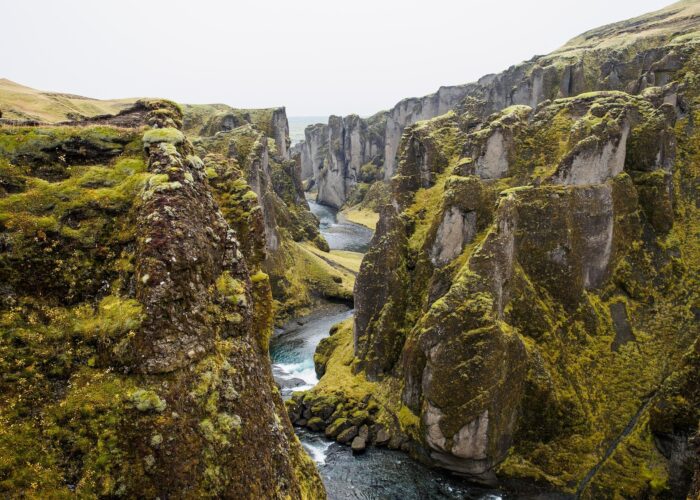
{"x":513,"y":306}
{"x":114,"y":318}
{"x":146,"y":400}
{"x":409,"y":421}
{"x":159,"y":135}
{"x":299,"y":275}
{"x":48,"y":150}
{"x":231,"y":289}
{"x":258,"y":277}
{"x":58,"y":231}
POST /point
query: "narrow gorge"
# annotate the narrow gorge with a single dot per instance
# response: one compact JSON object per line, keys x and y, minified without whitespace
{"x":487,"y":292}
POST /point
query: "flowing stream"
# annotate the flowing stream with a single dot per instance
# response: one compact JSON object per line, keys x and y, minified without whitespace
{"x":379,"y":473}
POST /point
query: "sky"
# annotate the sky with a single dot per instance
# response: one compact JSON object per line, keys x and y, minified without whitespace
{"x":316,"y":57}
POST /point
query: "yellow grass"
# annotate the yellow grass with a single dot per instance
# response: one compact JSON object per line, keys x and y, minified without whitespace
{"x":24,"y":103}
{"x":362,"y":216}
{"x":341,"y":260}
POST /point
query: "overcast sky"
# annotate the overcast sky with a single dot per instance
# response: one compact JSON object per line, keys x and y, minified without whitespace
{"x":316,"y":57}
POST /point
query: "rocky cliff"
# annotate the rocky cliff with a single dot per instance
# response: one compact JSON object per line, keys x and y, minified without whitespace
{"x":528,"y":307}
{"x":343,"y":157}
{"x":629,"y":56}
{"x":134,"y":320}
{"x":250,"y":148}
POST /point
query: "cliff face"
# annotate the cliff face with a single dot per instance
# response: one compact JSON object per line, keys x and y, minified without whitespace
{"x":628,"y":56}
{"x":209,"y":119}
{"x":135,"y":320}
{"x":314,"y":150}
{"x":250,"y":147}
{"x":341,"y":155}
{"x":527,"y":309}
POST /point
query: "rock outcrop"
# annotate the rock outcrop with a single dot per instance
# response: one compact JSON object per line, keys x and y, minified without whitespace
{"x":342,"y":156}
{"x":247,"y":148}
{"x":135,"y":322}
{"x":527,"y":309}
{"x":313,"y":151}
{"x":628,"y":56}
{"x":208,"y":119}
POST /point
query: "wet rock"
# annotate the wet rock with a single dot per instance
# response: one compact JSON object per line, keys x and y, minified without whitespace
{"x":363,"y":432}
{"x":358,"y":445}
{"x":347,"y":435}
{"x":293,"y":410}
{"x":382,"y":438}
{"x":395,"y":442}
{"x":316,"y":424}
{"x":289,"y":383}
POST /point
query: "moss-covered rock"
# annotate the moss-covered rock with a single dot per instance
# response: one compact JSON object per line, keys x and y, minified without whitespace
{"x":530,"y":294}
{"x":133,"y":330}
{"x":261,"y":195}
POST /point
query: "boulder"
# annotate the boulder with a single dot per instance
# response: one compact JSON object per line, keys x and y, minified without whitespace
{"x":359,"y":444}
{"x":347,"y":435}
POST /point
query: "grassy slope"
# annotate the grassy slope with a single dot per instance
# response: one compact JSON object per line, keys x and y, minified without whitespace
{"x":363,"y":216}
{"x":678,"y":22}
{"x":340,"y":259}
{"x":20,"y":102}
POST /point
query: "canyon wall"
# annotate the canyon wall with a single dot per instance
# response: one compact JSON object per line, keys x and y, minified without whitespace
{"x":528,"y":306}
{"x":251,"y":146}
{"x":135,"y":319}
{"x":333,"y":156}
{"x":622,"y":56}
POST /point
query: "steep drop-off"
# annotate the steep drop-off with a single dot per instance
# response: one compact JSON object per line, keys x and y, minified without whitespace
{"x":134,"y":320}
{"x":251,"y":147}
{"x":628,"y":56}
{"x":528,"y":309}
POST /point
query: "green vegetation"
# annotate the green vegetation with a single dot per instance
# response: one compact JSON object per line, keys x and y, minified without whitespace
{"x":301,"y":274}
{"x":582,"y":360}
{"x":158,"y":135}
{"x":82,"y":412}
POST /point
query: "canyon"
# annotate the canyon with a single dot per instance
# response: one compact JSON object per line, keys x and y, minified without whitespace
{"x":494,"y":286}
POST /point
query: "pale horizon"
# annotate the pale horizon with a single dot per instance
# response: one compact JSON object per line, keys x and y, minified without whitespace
{"x":298,"y":55}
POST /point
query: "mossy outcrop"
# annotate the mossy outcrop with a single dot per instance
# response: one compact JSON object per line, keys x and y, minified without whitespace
{"x":258,"y":187}
{"x":134,"y":324}
{"x":528,"y":307}
{"x":628,"y":56}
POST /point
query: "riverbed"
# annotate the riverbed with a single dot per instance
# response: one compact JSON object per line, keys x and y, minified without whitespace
{"x":379,"y":473}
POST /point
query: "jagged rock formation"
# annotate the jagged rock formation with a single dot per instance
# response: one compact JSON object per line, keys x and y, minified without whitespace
{"x":313,"y":151}
{"x":343,"y":156}
{"x":629,"y":56}
{"x":250,"y":147}
{"x":134,"y":323}
{"x":528,"y":307}
{"x":207,"y":120}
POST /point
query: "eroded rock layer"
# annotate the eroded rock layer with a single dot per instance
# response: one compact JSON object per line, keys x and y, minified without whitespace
{"x":244,"y":149}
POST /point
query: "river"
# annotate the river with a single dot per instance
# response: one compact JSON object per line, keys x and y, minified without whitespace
{"x":379,"y":473}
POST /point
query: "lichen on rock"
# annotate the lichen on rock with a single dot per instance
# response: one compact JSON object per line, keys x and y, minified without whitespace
{"x":133,"y":339}
{"x":525,"y":311}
